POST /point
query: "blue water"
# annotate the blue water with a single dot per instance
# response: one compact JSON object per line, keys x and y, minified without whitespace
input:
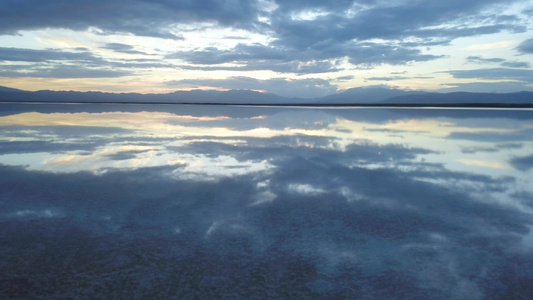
{"x":215,"y":202}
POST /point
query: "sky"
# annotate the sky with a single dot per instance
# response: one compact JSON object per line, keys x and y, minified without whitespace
{"x":292,"y":48}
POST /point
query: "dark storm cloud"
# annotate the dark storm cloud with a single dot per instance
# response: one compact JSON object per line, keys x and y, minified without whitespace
{"x":311,"y":40}
{"x":142,"y":18}
{"x":340,"y":29}
{"x":352,"y":31}
{"x":526,"y":47}
{"x":390,"y":22}
{"x":312,"y":87}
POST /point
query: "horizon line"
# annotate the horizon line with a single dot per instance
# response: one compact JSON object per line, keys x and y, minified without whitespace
{"x":311,"y":105}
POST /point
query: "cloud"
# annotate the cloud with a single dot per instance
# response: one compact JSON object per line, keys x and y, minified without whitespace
{"x":46,"y":213}
{"x":526,"y":47}
{"x":305,"y":189}
{"x":288,"y":20}
{"x":65,"y":71}
{"x":40,"y":146}
{"x":297,"y":67}
{"x":366,"y":20}
{"x":281,"y":58}
{"x":256,"y":57}
{"x":501,"y":61}
{"x":125,"y":155}
{"x":510,"y":136}
{"x":141,"y":18}
{"x":312,"y":87}
{"x":306,"y":40}
{"x":31,"y":55}
{"x":516,"y":64}
{"x":309,"y":218}
{"x":54,"y":63}
{"x":387,"y":78}
{"x":122,"y":48}
{"x":487,"y":87}
{"x":476,"y":149}
{"x":495,"y":74}
{"x":347,"y":77}
{"x":301,"y":38}
{"x":522,"y":163}
{"x":478,"y":59}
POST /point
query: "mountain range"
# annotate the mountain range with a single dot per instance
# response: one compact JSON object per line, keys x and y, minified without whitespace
{"x":376,"y":95}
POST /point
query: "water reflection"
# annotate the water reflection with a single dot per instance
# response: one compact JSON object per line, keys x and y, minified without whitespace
{"x":305,"y":203}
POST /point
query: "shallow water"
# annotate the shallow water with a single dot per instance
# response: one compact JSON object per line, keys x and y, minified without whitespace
{"x":185,"y":201}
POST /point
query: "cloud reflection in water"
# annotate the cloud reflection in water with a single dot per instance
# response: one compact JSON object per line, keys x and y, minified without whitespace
{"x":267,"y":202}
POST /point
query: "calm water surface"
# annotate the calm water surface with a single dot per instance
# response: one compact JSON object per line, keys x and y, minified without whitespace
{"x":216,"y":202}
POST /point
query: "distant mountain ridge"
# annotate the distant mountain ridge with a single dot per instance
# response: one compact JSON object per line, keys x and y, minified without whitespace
{"x":368,"y":95}
{"x":464,"y":97}
{"x":194,"y":96}
{"x":355,"y":96}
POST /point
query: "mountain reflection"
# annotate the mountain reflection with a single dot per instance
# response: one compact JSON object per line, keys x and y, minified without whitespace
{"x":218,"y":202}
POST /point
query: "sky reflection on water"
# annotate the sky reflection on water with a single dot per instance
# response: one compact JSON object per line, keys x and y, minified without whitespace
{"x":315,"y":203}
